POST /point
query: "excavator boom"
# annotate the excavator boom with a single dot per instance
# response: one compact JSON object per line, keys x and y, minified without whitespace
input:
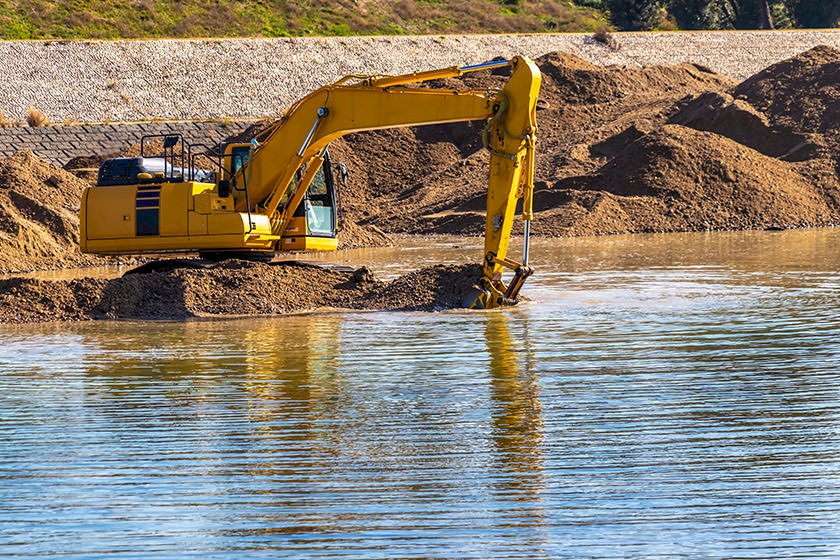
{"x":379,"y":103}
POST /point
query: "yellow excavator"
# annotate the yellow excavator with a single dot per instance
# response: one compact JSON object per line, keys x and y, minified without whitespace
{"x":278,"y":192}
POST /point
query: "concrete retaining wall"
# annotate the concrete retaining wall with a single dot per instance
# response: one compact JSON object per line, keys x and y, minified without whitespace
{"x":96,"y":81}
{"x":60,"y":144}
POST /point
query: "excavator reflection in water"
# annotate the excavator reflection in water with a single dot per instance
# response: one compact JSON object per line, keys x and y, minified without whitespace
{"x":348,"y":434}
{"x":517,"y":416}
{"x":287,"y":403}
{"x":278,"y":191}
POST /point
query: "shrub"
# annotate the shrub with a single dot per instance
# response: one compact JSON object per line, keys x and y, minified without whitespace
{"x":603,"y":36}
{"x":34,"y":117}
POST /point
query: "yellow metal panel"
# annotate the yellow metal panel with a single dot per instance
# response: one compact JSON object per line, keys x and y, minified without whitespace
{"x":110,"y":212}
{"x":308,"y":243}
{"x":208,"y":201}
{"x":297,"y":226}
{"x":223,"y":204}
{"x":198,"y":188}
{"x":197,"y":223}
{"x":223,"y":224}
{"x":203,"y":202}
{"x":174,"y":200}
{"x":181,"y":244}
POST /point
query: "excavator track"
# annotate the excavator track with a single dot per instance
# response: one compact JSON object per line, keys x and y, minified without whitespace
{"x":168,"y":265}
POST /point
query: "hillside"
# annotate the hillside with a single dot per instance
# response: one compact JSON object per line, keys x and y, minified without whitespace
{"x":101,"y":19}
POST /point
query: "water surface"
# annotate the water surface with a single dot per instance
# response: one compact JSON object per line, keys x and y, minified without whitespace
{"x":672,"y":396}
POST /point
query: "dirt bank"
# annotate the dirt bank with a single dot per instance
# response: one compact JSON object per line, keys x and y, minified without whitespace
{"x":231,"y":288}
{"x":39,"y":216}
{"x":657,"y":149}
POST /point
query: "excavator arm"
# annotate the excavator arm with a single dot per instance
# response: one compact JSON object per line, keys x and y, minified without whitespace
{"x":280,"y":168}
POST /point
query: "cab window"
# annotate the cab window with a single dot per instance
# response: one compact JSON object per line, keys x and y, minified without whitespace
{"x":239,"y":157}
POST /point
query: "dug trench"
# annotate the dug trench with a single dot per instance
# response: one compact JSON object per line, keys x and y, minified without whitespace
{"x":620,"y":150}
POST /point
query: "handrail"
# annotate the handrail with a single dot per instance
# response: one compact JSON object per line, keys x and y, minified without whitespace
{"x":209,"y":151}
{"x":169,"y":143}
{"x":220,"y":165}
{"x":245,"y":189}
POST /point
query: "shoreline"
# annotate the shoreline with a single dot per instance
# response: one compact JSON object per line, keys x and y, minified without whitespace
{"x":186,"y":295}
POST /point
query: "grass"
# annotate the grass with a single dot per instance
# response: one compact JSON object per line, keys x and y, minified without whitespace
{"x":102,"y":19}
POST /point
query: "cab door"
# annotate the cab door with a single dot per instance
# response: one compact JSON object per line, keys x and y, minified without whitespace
{"x":315,"y":222}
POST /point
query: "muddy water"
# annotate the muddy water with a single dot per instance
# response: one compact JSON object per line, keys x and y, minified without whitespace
{"x":664,"y":397}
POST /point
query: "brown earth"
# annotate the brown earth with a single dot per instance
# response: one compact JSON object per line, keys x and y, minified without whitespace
{"x":231,"y":288}
{"x":663,"y":148}
{"x":39,"y":216}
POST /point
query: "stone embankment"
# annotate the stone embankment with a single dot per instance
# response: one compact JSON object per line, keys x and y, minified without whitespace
{"x":102,"y":96}
{"x":109,"y":81}
{"x":60,"y":144}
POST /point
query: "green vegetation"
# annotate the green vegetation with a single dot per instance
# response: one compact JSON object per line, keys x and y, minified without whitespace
{"x":109,"y":19}
{"x":720,"y":14}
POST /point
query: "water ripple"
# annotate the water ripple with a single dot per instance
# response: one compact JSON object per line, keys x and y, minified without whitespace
{"x":676,"y":402}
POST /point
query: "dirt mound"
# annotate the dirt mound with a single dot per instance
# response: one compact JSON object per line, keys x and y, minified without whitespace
{"x":228,"y":288}
{"x":232,"y":288}
{"x":352,"y":235}
{"x":680,"y":179}
{"x":429,"y":289}
{"x":790,"y":110}
{"x":573,"y":80}
{"x":86,"y":168}
{"x":39,"y":215}
{"x":26,"y":300}
{"x":801,"y":93}
{"x":738,"y":120}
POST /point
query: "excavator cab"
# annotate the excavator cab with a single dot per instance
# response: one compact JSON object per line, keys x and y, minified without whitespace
{"x":314,"y":224}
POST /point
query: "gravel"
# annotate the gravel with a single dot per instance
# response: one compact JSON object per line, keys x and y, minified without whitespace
{"x":100,"y":81}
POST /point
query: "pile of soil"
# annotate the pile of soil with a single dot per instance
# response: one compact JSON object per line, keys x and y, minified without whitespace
{"x":27,"y":300}
{"x":231,"y":288}
{"x":86,"y":168}
{"x":39,"y":216}
{"x":801,"y":93}
{"x":663,"y":148}
{"x":683,"y":180}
